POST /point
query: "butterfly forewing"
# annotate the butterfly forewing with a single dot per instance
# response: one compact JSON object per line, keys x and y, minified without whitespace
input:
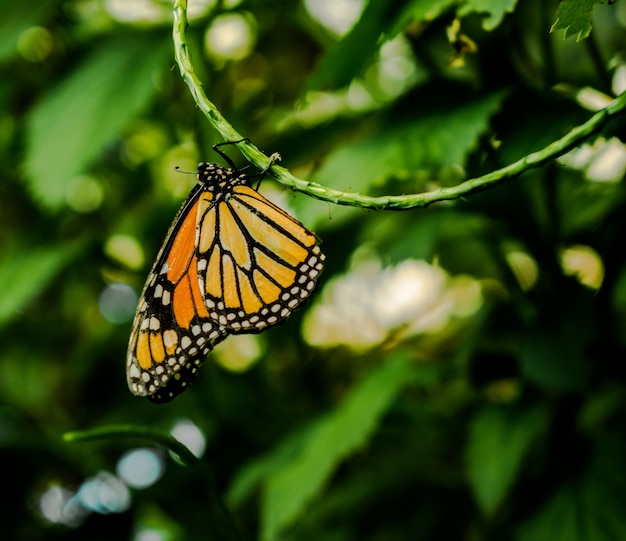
{"x":256,"y":263}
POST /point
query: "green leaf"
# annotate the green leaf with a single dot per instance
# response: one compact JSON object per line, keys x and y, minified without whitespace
{"x":18,"y":17}
{"x":500,"y":438}
{"x":434,"y":135}
{"x":347,"y":58}
{"x":28,"y":271}
{"x":574,"y":16}
{"x":589,"y":507}
{"x":553,"y":351}
{"x":586,"y":205}
{"x":253,"y":474}
{"x":530,"y":121}
{"x":495,"y":10}
{"x":340,"y":434}
{"x":420,"y":11}
{"x":380,"y":21}
{"x":76,"y":121}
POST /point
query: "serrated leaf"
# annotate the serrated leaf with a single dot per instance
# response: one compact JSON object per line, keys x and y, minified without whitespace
{"x":494,"y":9}
{"x":499,"y":440}
{"x":28,"y":271}
{"x":433,"y":136}
{"x":76,"y":121}
{"x":574,"y":16}
{"x":340,"y":434}
{"x":17,"y":17}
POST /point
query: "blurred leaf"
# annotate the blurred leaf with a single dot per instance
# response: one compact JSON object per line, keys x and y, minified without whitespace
{"x":586,"y":205}
{"x":589,"y":507}
{"x":421,"y":134}
{"x":567,"y":518}
{"x":418,"y":11}
{"x":346,"y":59}
{"x":17,"y":17}
{"x":574,"y":16}
{"x":618,"y":300}
{"x":495,"y":10}
{"x":500,"y":438}
{"x":553,"y":352}
{"x":529,"y":121}
{"x":340,"y":434}
{"x":27,"y":272}
{"x":253,"y":474}
{"x":76,"y":121}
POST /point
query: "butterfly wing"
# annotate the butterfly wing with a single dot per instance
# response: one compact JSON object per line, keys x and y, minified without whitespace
{"x":256,"y":263}
{"x":172,"y":331}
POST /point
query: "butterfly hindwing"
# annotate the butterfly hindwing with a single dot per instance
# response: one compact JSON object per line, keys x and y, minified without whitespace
{"x":172,"y":333}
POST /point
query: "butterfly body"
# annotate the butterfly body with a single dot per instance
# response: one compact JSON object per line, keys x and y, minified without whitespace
{"x":232,"y":262}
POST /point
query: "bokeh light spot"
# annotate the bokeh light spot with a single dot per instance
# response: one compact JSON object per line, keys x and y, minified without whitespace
{"x":188,"y":433}
{"x":60,"y":506}
{"x":126,"y":250}
{"x":134,"y":12}
{"x":141,"y":468}
{"x":524,"y":268}
{"x":117,"y":303}
{"x":150,"y":534}
{"x":35,"y":44}
{"x":84,"y":194}
{"x":104,"y":493}
{"x":239,"y":353}
{"x":230,"y":37}
{"x":396,"y":67}
{"x":338,"y":16}
{"x":585,"y":264}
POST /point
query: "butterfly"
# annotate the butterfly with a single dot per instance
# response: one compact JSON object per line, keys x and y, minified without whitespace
{"x":232,"y":262}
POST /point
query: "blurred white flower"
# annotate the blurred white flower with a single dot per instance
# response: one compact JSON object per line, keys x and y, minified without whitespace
{"x":604,"y":160}
{"x":363,"y":308}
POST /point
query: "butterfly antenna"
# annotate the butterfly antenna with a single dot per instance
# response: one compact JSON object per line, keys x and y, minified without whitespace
{"x":224,"y":156}
{"x":179,"y":170}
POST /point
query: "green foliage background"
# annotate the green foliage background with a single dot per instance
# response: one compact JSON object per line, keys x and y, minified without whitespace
{"x":509,"y":427}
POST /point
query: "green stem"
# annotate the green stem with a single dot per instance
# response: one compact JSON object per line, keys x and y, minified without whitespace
{"x":575,"y":137}
{"x":218,"y":516}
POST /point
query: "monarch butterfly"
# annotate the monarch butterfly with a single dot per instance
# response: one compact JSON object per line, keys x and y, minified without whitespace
{"x":232,"y":262}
